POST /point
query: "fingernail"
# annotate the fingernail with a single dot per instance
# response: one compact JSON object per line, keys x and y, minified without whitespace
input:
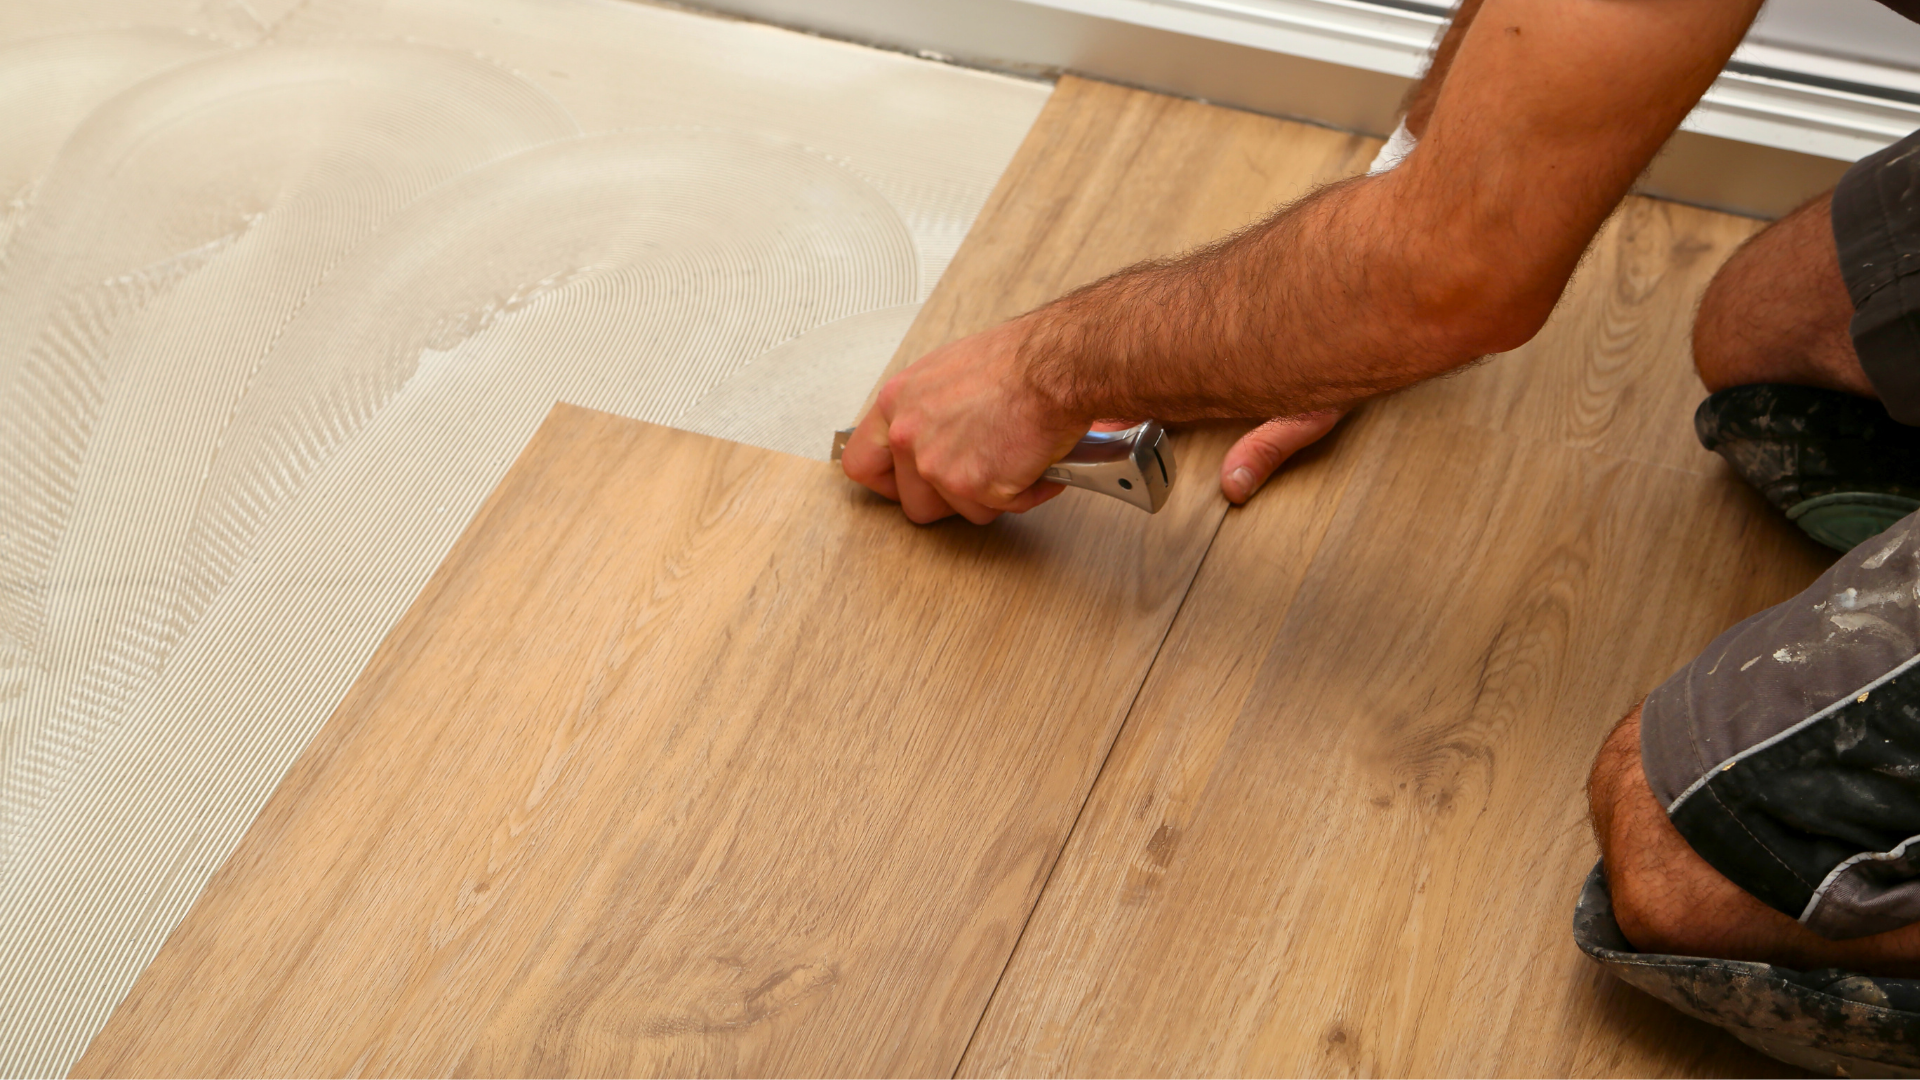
{"x":1242,"y":479}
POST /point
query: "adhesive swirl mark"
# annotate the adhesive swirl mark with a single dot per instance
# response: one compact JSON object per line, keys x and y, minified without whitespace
{"x":283,"y":290}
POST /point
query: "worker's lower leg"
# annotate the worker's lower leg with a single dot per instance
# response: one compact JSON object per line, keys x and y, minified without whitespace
{"x":1778,"y":311}
{"x":1667,"y":899}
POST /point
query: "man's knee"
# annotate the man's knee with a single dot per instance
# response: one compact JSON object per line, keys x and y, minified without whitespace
{"x":1719,"y":341}
{"x":1778,"y":311}
{"x":1666,"y":898}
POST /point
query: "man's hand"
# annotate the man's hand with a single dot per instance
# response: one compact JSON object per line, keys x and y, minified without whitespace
{"x":1262,"y":451}
{"x":964,"y":430}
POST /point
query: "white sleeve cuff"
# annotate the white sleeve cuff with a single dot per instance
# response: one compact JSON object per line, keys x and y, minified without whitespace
{"x":1399,"y":145}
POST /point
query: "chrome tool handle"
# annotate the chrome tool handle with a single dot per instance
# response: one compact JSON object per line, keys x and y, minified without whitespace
{"x":1134,"y":466}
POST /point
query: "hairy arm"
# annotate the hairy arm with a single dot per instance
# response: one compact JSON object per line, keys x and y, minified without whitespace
{"x":1549,"y":110}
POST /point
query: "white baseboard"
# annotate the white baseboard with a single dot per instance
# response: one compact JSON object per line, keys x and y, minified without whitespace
{"x":1776,"y":127}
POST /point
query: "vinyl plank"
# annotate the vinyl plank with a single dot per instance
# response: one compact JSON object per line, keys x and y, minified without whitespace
{"x":1611,"y":373}
{"x":689,"y":760}
{"x":1343,"y":829}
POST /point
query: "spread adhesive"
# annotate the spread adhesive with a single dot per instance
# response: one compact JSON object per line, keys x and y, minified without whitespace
{"x":285,"y":287}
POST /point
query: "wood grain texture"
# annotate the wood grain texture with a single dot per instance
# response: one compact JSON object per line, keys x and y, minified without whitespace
{"x":690,"y":761}
{"x":1343,"y":829}
{"x":1611,"y":374}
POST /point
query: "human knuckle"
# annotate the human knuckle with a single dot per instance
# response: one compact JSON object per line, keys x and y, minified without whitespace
{"x":902,"y":431}
{"x":1002,"y":493}
{"x":968,"y":486}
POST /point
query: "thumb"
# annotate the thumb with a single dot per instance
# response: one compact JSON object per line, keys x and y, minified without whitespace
{"x":1264,"y":449}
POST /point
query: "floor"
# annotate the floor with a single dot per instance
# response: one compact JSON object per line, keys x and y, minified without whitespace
{"x":1355,"y":771}
{"x":691,"y":760}
{"x":285,"y":285}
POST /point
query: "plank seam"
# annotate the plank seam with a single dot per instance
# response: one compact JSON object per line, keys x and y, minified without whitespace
{"x":1080,"y":811}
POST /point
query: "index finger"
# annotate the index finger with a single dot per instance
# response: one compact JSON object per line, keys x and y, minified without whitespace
{"x":867,"y":459}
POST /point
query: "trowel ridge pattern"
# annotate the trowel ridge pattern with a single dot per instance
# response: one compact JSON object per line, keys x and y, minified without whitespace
{"x":282,"y":293}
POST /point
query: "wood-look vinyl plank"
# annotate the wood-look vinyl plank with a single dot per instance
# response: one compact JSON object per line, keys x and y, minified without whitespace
{"x":688,"y":760}
{"x":1343,"y":829}
{"x":1611,"y":374}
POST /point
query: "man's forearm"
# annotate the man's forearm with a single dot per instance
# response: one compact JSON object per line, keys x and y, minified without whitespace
{"x":1545,"y":116}
{"x":1314,"y":308}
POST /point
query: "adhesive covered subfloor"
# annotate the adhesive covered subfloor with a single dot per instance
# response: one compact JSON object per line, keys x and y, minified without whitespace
{"x":284,"y":287}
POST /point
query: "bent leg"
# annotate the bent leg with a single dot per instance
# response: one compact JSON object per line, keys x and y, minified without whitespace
{"x":1778,"y":311}
{"x":1809,"y":338}
{"x":1764,"y":802}
{"x":1668,"y":899}
{"x":1828,"y":296}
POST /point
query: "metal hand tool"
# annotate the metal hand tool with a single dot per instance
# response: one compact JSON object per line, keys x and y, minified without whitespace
{"x":1134,"y":466}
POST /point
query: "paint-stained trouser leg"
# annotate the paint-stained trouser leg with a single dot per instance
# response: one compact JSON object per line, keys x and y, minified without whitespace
{"x":1788,"y":753}
{"x":1788,"y":756}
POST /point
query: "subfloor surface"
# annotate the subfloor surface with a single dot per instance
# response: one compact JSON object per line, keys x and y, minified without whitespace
{"x":693,"y":760}
{"x":285,"y":287}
